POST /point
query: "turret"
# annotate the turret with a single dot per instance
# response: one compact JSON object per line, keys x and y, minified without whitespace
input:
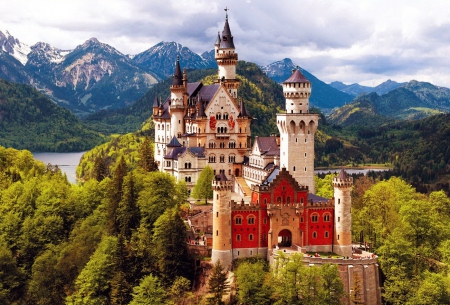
{"x":343,"y":217}
{"x":297,"y":128}
{"x":155,"y":107}
{"x":178,"y":100}
{"x":227,"y":59}
{"x":222,"y":249}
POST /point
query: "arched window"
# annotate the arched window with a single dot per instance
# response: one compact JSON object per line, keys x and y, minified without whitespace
{"x":314,"y":217}
{"x":238,"y":220}
{"x":326,"y":234}
{"x":326,"y":217}
{"x":238,"y":237}
{"x":314,"y":235}
{"x":251,"y":220}
{"x":250,"y":237}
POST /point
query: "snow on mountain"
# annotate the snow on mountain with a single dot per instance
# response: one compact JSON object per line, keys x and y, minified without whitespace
{"x":48,"y":53}
{"x":14,"y":47}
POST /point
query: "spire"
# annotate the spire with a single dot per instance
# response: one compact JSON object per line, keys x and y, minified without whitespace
{"x":178,"y":76}
{"x":342,"y":175}
{"x":174,"y":143}
{"x":218,"y":39}
{"x":221,"y":177}
{"x":242,"y":111}
{"x":227,"y":38}
{"x":201,"y":108}
{"x":155,"y":102}
{"x":161,"y":104}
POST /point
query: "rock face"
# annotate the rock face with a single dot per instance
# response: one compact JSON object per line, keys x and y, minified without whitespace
{"x":161,"y":59}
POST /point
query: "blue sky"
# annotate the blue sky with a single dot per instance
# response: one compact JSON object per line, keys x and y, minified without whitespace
{"x":351,"y":41}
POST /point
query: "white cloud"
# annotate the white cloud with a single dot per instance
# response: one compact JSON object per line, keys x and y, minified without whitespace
{"x":349,"y":40}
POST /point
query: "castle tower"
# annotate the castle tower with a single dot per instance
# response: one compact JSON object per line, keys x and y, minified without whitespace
{"x":227,"y":59}
{"x":297,"y":128}
{"x":178,"y":100}
{"x":343,"y":216}
{"x":222,"y":249}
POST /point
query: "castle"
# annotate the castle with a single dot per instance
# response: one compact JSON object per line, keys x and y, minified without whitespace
{"x":264,"y":196}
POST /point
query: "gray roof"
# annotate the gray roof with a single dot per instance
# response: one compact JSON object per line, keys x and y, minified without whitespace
{"x":315,"y":198}
{"x":268,"y":146}
{"x":177,"y":151}
{"x":178,"y":76}
{"x":227,"y":38}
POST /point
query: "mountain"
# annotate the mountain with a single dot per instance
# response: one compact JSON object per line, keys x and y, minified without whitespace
{"x":413,"y":101}
{"x":161,"y":59}
{"x":93,"y":76}
{"x":30,"y":120}
{"x":357,"y":89}
{"x":323,"y":96}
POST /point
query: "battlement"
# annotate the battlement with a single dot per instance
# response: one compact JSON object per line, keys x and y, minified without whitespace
{"x":342,"y":182}
{"x":221,"y":185}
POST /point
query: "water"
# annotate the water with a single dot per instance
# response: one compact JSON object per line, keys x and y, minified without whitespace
{"x":350,"y":171}
{"x":67,"y":162}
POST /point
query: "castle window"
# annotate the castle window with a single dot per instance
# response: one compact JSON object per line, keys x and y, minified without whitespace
{"x":158,"y":127}
{"x":250,"y":237}
{"x":338,"y":236}
{"x":265,"y":201}
{"x":238,"y":238}
{"x":238,"y":220}
{"x":265,"y":220}
{"x":305,"y":169}
{"x":222,"y":159}
{"x":301,"y":219}
{"x":217,"y":232}
{"x":314,"y":235}
{"x":326,"y":217}
{"x":339,"y":201}
{"x":217,"y":214}
{"x":326,"y":234}
{"x":288,"y":200}
{"x":293,"y":169}
{"x":278,"y":199}
{"x":305,"y":154}
{"x":251,"y":220}
{"x":296,"y":140}
{"x":314,"y":218}
{"x":339,"y":219}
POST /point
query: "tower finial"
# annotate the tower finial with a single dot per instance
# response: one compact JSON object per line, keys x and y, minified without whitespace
{"x":226,"y":9}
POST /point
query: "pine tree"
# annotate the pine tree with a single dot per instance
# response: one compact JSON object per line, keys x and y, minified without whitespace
{"x":218,"y":284}
{"x":100,"y":170}
{"x":128,"y":213}
{"x":115,"y":196}
{"x":146,"y":155}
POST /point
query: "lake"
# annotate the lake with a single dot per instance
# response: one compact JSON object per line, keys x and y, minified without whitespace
{"x":67,"y":162}
{"x":350,"y":171}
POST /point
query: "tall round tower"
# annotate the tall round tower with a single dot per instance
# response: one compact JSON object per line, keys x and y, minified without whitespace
{"x":226,"y":60}
{"x":343,"y":214}
{"x":178,"y":100}
{"x":297,"y":128}
{"x":222,"y":249}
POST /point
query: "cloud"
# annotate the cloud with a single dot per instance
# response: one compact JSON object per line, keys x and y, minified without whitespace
{"x":348,"y":40}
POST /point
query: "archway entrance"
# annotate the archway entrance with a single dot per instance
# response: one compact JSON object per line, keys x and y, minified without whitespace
{"x":236,"y":172}
{"x":284,"y":238}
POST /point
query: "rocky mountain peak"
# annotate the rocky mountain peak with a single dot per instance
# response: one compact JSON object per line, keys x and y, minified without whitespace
{"x":14,"y":47}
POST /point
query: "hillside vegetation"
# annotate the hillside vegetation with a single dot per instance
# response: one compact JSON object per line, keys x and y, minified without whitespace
{"x":30,"y":120}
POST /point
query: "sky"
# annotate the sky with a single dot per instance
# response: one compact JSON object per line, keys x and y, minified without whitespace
{"x":353,"y":41}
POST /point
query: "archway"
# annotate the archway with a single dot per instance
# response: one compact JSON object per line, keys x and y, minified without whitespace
{"x":284,"y":238}
{"x":236,"y":172}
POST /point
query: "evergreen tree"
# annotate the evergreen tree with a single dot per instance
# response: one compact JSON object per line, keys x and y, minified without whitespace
{"x":146,"y":155}
{"x":149,"y":292}
{"x":115,"y":196}
{"x":100,"y":170}
{"x":218,"y":284}
{"x":203,"y":188}
{"x":127,"y":212}
{"x":170,"y":248}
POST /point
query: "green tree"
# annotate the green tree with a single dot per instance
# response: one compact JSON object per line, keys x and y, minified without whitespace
{"x":217,"y":284}
{"x":324,"y":187}
{"x":357,"y":293}
{"x":251,"y":283}
{"x":11,"y":278}
{"x":127,"y":212}
{"x":333,"y":288}
{"x":146,"y":156}
{"x":93,"y":283}
{"x":114,"y":195}
{"x":149,"y":292}
{"x":170,"y":248}
{"x":203,"y":187}
{"x":179,"y":292}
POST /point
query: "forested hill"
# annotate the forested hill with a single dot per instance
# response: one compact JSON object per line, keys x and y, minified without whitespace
{"x":29,"y":120}
{"x":415,"y":100}
{"x":263,"y":99}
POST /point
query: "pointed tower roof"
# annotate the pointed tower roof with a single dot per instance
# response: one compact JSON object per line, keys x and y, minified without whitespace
{"x":296,"y":77}
{"x":242,"y":111}
{"x":227,"y":38}
{"x":201,"y":108}
{"x":174,"y":143}
{"x":342,"y":174}
{"x":222,"y":177}
{"x":218,"y":39}
{"x":155,"y":102}
{"x":178,"y":76}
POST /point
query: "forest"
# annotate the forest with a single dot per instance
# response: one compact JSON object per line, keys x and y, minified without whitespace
{"x":118,"y":237}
